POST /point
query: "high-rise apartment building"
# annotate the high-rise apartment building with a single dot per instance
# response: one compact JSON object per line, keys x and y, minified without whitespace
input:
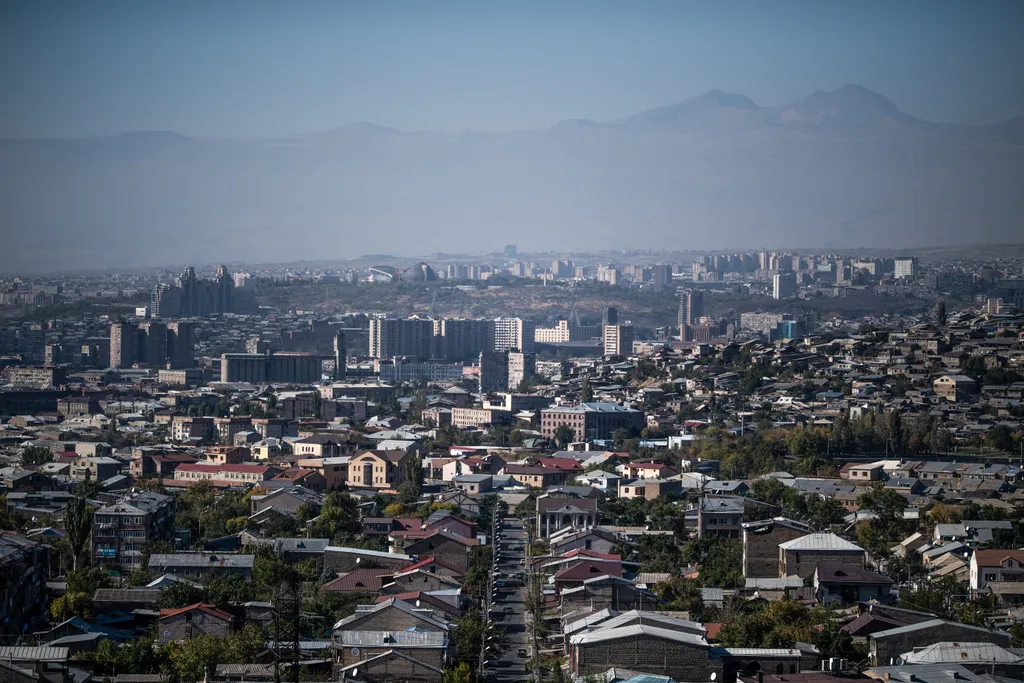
{"x":181,"y":344}
{"x":521,"y":366}
{"x":283,"y":367}
{"x":493,"y":371}
{"x":610,"y":316}
{"x":618,"y":340}
{"x":662,"y":275}
{"x":153,"y":343}
{"x":691,"y":307}
{"x":462,"y":339}
{"x":513,"y":334}
{"x":165,"y":301}
{"x":905,"y":267}
{"x":123,"y":345}
{"x":391,"y":337}
{"x":783,"y":286}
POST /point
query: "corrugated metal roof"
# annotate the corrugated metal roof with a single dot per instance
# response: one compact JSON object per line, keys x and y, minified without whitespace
{"x":820,"y":542}
{"x":26,"y":653}
{"x":392,"y":638}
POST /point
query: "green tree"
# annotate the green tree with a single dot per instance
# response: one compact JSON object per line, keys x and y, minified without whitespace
{"x":179,"y":594}
{"x":469,"y":633}
{"x":586,"y":393}
{"x":36,"y":455}
{"x":77,"y":527}
{"x":564,"y":435}
{"x":459,"y":674}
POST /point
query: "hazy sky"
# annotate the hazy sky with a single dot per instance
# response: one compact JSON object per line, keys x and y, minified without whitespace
{"x":248,"y":67}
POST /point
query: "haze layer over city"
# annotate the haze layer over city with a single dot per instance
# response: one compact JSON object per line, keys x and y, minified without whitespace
{"x":546,"y":342}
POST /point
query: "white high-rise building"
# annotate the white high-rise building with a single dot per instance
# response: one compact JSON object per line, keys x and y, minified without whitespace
{"x":513,"y":333}
{"x":906,"y":267}
{"x":783,"y":286}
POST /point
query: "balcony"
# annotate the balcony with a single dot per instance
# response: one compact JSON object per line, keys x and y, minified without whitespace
{"x":106,"y":552}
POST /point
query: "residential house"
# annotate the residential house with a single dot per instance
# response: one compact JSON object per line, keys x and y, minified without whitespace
{"x":378,"y":469}
{"x":185,"y":623}
{"x":557,"y":513}
{"x":847,"y":585}
{"x":761,"y":540}
{"x":800,"y":556}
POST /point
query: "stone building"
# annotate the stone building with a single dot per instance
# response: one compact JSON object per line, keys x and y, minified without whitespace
{"x":800,"y":557}
{"x":555,"y":514}
{"x":392,"y":626}
{"x":642,"y":647}
{"x":761,"y":540}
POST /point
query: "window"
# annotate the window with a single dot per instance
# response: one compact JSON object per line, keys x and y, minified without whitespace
{"x":990,"y":577}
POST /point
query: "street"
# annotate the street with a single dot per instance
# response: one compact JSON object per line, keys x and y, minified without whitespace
{"x":511,"y":666}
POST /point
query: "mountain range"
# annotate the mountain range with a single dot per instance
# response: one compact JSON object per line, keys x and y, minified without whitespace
{"x":840,"y":169}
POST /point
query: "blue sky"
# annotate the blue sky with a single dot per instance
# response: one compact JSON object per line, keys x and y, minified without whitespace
{"x":254,"y":68}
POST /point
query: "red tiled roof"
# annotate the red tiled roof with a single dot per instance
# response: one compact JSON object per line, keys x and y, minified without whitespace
{"x":713,"y":629}
{"x":359,"y":581}
{"x":994,"y":558}
{"x":202,"y":607}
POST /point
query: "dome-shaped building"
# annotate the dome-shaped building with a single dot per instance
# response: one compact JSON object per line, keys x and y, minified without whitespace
{"x":421,"y":272}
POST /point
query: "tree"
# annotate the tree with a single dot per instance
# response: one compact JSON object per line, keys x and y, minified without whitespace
{"x":469,"y":633}
{"x":586,"y":393}
{"x":36,"y":455}
{"x":77,"y":527}
{"x":824,"y":512}
{"x":179,"y":594}
{"x":877,"y":535}
{"x":1000,"y":437}
{"x":459,"y":674}
{"x":564,"y":435}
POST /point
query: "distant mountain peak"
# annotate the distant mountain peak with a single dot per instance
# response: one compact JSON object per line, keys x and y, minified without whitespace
{"x":848,"y":109}
{"x":727,"y":99}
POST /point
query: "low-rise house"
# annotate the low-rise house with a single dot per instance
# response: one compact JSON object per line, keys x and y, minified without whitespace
{"x":341,"y":559}
{"x":555,"y":514}
{"x":389,"y":629}
{"x":536,"y":477}
{"x":886,"y":647}
{"x":176,"y":625}
{"x":649,"y":489}
{"x":801,"y":556}
{"x":995,"y":565}
{"x":845,"y":584}
{"x":720,"y":516}
{"x":761,"y":540}
{"x":443,"y":545}
{"x":378,"y":469}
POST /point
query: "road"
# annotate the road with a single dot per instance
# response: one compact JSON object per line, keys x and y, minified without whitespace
{"x":511,"y":666}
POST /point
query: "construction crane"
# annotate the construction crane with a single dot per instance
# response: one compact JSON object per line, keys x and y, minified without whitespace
{"x":433,"y":302}
{"x":574,"y":315}
{"x":462,"y":304}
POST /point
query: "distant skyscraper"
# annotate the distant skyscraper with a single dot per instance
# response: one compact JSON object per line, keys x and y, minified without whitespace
{"x":691,"y":307}
{"x":662,"y":275}
{"x":459,"y":339}
{"x":510,"y":250}
{"x":165,"y":301}
{"x":783,"y":286}
{"x":610,"y":316}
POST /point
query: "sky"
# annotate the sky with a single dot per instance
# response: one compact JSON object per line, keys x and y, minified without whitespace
{"x":241,"y":68}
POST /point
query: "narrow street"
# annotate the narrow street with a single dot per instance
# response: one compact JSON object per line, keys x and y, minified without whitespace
{"x":507,"y":609}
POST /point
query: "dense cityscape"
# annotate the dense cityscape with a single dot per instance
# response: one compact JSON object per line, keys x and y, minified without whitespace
{"x":624,"y":466}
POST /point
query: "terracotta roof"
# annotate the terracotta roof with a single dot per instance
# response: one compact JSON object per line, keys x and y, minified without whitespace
{"x":359,"y":581}
{"x":994,"y":558}
{"x":202,"y":607}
